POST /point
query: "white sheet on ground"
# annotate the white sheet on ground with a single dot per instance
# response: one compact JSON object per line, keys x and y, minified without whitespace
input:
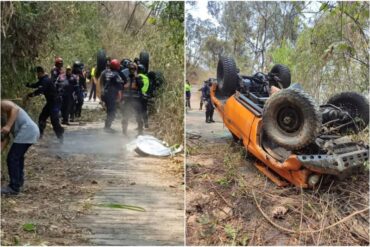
{"x":152,"y":146}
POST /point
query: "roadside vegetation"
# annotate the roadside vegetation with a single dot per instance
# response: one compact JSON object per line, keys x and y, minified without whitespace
{"x":34,"y":33}
{"x":324,"y":44}
{"x":59,"y":188}
{"x":229,"y":202}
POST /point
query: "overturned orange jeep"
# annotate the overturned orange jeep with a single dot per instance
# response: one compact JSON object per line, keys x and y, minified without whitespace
{"x":294,"y":140}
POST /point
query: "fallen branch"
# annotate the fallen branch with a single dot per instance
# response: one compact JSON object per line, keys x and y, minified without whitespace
{"x":300,"y":232}
{"x":218,"y":193}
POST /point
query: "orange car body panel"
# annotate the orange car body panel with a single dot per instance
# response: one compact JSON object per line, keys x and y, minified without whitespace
{"x":245,"y":125}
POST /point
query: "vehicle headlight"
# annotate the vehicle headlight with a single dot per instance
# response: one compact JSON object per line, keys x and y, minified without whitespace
{"x":313,"y":180}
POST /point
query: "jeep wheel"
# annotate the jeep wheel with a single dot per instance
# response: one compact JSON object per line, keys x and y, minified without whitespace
{"x":291,"y":119}
{"x":283,"y":73}
{"x":356,"y":105}
{"x":144,"y":60}
{"x":227,"y":76}
{"x":101,"y":62}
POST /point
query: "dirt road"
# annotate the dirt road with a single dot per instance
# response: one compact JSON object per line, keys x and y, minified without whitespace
{"x":222,"y":187}
{"x":104,"y":178}
{"x":195,"y":121}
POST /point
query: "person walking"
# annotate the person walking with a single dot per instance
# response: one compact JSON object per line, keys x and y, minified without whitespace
{"x":112,"y":86}
{"x":52,"y":107}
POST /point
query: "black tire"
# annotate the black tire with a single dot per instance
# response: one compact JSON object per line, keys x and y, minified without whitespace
{"x":227,"y":76}
{"x":302,"y":114}
{"x":356,"y":105}
{"x":283,"y":73}
{"x":101,"y":62}
{"x":144,"y":60}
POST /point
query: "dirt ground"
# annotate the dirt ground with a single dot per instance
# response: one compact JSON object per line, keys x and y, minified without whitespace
{"x":229,"y":202}
{"x":61,"y":181}
{"x":53,"y":196}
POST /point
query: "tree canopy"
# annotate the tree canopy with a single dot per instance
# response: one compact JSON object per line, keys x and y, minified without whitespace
{"x":325,"y":45}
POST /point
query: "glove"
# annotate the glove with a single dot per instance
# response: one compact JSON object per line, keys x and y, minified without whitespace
{"x":30,"y":95}
{"x":28,"y":84}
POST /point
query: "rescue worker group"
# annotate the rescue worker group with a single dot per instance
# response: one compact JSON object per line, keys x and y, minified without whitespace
{"x":124,"y":85}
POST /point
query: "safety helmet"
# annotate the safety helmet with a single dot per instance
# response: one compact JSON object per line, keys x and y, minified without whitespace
{"x":125,"y":62}
{"x":77,"y":64}
{"x":115,"y":64}
{"x":140,"y":68}
{"x":58,"y":61}
{"x":68,"y":67}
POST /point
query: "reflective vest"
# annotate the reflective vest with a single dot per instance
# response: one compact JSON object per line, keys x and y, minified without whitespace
{"x":93,"y":72}
{"x":187,"y":87}
{"x":145,"y":86}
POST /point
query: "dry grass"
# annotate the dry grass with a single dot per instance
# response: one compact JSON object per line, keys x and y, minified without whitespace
{"x":166,"y":57}
{"x":54,"y":195}
{"x":198,"y":75}
{"x":222,"y":191}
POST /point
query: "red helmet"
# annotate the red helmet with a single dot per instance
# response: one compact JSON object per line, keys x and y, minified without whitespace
{"x":115,"y":64}
{"x":58,"y":61}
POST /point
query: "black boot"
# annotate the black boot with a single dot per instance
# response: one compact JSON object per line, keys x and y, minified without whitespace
{"x":8,"y":191}
{"x":211,"y":117}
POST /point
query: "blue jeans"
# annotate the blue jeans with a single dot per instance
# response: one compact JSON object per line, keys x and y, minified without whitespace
{"x":15,"y":162}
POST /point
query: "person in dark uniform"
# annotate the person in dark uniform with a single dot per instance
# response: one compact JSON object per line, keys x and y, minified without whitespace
{"x":112,"y":86}
{"x":67,"y":97}
{"x":209,"y":106}
{"x":52,"y":107}
{"x":131,"y":99}
{"x":202,"y":96}
{"x":124,"y":71}
{"x":80,"y":88}
{"x":60,"y":84}
{"x":57,"y":70}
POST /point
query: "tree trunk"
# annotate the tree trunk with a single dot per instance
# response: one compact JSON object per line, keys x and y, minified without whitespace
{"x":131,"y":17}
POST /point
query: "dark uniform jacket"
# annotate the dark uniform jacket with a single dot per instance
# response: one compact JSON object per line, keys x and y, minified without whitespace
{"x":45,"y":86}
{"x":54,"y":74}
{"x":111,"y":81}
{"x":132,"y":87}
